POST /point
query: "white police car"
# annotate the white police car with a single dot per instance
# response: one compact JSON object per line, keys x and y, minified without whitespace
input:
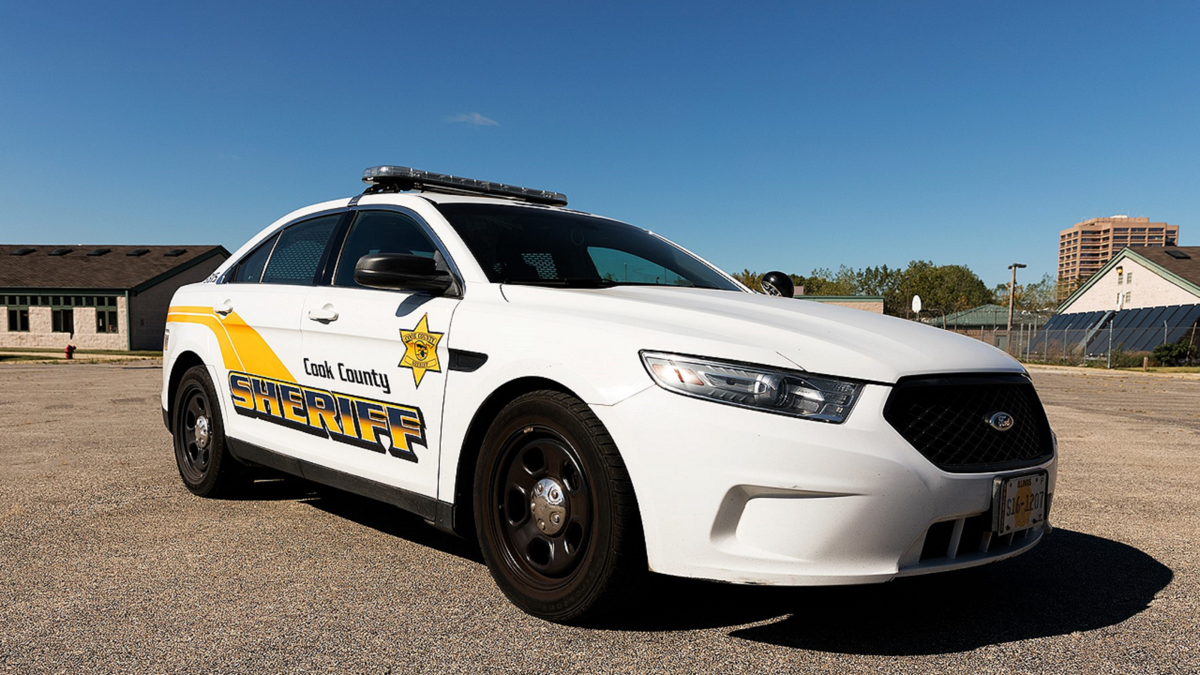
{"x":593,"y":401}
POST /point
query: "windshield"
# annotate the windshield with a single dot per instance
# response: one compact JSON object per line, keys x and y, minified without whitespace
{"x":521,"y":245}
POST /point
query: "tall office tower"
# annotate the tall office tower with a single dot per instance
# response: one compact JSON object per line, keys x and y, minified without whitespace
{"x":1084,"y":247}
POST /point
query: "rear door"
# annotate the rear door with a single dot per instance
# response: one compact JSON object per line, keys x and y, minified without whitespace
{"x":381,"y":358}
{"x":257,"y":316}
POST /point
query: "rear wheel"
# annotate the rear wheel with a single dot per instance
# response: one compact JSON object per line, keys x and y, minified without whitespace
{"x":555,"y":511}
{"x":205,"y":465}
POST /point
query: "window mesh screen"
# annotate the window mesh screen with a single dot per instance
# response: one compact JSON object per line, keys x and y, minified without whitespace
{"x":543,"y":263}
{"x":298,"y":252}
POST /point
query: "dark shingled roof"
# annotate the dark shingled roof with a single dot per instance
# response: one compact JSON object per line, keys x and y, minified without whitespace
{"x":112,"y":270}
{"x":1188,"y":268}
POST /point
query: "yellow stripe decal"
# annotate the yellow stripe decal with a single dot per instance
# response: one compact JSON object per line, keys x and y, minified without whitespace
{"x":254,"y":351}
{"x":186,"y":309}
{"x":229,"y":355}
{"x":242,"y":348}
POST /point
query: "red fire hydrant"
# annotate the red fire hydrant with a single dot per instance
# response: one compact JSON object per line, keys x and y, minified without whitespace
{"x":70,"y":352}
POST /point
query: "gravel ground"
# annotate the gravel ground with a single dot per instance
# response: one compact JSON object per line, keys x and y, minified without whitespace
{"x":110,"y":565}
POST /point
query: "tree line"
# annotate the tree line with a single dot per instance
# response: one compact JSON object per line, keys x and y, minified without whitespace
{"x":946,"y":288}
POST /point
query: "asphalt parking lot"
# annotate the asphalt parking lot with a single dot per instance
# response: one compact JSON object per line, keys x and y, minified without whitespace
{"x":107,"y":564}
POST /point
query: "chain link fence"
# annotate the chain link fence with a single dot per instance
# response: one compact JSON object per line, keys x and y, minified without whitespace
{"x":1106,"y":347}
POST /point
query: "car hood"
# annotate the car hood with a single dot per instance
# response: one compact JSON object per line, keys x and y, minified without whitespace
{"x":787,"y":332}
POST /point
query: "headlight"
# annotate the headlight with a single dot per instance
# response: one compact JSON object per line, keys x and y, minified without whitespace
{"x":757,"y":387}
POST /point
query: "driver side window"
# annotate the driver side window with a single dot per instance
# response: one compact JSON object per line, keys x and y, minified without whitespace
{"x":381,"y":232}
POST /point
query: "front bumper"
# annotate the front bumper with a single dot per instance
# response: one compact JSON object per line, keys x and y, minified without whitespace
{"x":750,"y":497}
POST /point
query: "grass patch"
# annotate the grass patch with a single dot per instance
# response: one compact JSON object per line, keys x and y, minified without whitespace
{"x":55,"y":350}
{"x":13,"y":358}
{"x":1160,"y":369}
{"x":38,"y":350}
{"x":120,"y":352}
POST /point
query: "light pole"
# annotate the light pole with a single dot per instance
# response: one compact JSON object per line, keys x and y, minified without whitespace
{"x":1012,"y":293}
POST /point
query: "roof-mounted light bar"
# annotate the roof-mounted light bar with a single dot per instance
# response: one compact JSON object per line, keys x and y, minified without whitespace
{"x":388,"y":178}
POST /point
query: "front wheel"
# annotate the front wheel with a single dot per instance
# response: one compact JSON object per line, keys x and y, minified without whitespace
{"x":205,"y":465}
{"x":555,"y":511}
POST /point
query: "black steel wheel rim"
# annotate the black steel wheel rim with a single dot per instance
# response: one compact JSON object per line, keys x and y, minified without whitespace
{"x":193,"y":445}
{"x":543,"y":559}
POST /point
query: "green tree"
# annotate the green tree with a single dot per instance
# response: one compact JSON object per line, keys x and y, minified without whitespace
{"x":751,"y":280}
{"x":879,"y":281}
{"x":1174,"y":354}
{"x":827,"y":282}
{"x":1041,"y":296}
{"x":945,"y":288}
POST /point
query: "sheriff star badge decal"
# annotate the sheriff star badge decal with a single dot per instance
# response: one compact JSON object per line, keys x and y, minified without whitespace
{"x":420,"y":350}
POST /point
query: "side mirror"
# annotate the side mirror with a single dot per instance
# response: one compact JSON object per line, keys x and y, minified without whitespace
{"x":401,"y":271}
{"x":778,"y":284}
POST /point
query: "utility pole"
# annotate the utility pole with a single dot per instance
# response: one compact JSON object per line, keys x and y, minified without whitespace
{"x":1012,"y":293}
{"x":1110,"y":323}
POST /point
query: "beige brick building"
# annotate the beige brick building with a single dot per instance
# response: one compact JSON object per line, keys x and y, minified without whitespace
{"x":95,"y":297}
{"x":867,"y":303}
{"x":1085,"y":247}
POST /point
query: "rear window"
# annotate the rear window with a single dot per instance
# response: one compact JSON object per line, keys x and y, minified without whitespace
{"x":249,"y":270}
{"x":297,"y":255}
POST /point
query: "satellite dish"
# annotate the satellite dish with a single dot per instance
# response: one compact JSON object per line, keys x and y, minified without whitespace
{"x":916,"y":304}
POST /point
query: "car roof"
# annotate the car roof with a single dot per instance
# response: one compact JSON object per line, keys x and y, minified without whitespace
{"x":449,"y":198}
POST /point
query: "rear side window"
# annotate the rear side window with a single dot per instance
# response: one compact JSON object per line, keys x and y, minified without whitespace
{"x":250,"y":269}
{"x":381,"y":232}
{"x":297,"y":255}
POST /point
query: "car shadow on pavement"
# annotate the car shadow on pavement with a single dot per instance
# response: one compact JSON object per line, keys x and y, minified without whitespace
{"x":385,"y":518}
{"x":1071,"y":582}
{"x":389,"y":520}
{"x":271,"y":487}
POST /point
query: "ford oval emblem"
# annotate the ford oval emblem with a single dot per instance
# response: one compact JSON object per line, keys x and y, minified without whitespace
{"x":1001,"y":421}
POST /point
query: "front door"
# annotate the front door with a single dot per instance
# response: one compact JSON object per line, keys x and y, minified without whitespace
{"x":380,"y":357}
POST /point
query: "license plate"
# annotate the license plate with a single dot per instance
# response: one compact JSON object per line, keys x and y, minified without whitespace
{"x":1020,"y":502}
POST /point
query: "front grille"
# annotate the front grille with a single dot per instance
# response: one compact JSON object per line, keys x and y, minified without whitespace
{"x":946,"y":419}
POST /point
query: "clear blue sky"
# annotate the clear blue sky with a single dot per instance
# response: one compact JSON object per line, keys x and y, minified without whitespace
{"x":764,"y":135}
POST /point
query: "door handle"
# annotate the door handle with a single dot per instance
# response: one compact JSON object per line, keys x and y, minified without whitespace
{"x":224,"y":309}
{"x":323,"y":314}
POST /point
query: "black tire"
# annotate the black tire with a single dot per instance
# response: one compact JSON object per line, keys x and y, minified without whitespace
{"x":204,"y":462}
{"x":590,"y":559}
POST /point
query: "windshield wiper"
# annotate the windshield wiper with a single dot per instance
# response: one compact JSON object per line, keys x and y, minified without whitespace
{"x":565,"y":283}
